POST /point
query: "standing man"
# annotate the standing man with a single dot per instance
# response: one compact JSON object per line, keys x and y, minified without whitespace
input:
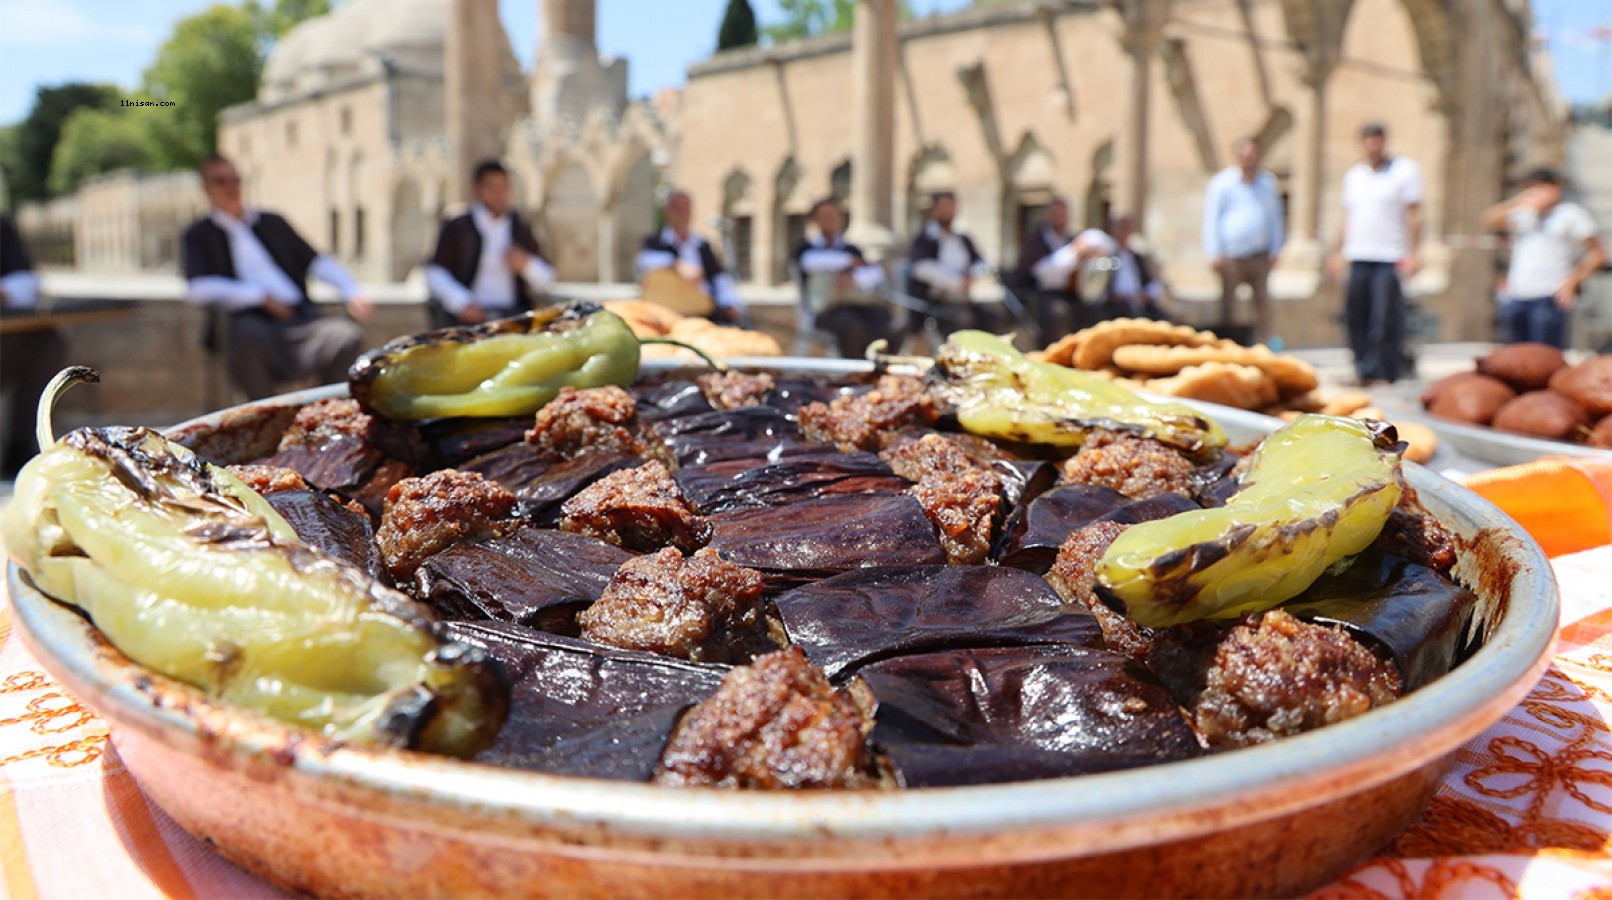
{"x":1243,"y":233}
{"x":1135,"y":289}
{"x":838,"y":283}
{"x":251,"y":263}
{"x":1544,"y":279}
{"x":487,"y":264}
{"x":678,"y":249}
{"x":1058,"y":310}
{"x":27,"y":359}
{"x":943,"y":263}
{"x":1378,"y":238}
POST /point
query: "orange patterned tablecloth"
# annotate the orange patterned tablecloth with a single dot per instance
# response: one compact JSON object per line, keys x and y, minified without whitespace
{"x":1526,"y":810}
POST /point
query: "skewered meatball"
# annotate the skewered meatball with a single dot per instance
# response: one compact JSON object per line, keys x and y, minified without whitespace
{"x":702,"y":608}
{"x":424,"y":516}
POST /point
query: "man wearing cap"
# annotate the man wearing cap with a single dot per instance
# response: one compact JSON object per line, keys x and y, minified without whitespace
{"x":1378,"y":238}
{"x":1556,"y":247}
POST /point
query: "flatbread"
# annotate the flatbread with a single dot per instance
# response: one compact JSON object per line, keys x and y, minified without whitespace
{"x":1095,"y":346}
{"x":1229,"y":384}
{"x":1292,"y":376}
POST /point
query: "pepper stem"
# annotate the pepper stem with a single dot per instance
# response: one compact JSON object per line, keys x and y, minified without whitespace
{"x":58,"y":386}
{"x":709,"y":360}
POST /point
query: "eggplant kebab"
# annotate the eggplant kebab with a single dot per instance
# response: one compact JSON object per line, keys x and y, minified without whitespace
{"x":509,"y":546}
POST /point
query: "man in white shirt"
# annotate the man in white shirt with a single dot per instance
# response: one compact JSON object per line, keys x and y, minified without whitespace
{"x":254,"y":265}
{"x":28,"y":359}
{"x":1135,"y":289}
{"x":1556,"y":247}
{"x":487,"y":264}
{"x":1243,"y":233}
{"x":1378,"y":238}
{"x":943,"y":262}
{"x":850,"y":310}
{"x":678,"y":248}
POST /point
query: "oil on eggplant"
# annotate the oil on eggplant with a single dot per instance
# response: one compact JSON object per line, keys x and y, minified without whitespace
{"x":753,"y":432}
{"x":327,"y":526}
{"x":740,"y":484}
{"x":581,"y":709}
{"x":813,"y":539}
{"x":864,"y":616}
{"x":671,"y":399}
{"x":1031,"y":539}
{"x":534,"y":577}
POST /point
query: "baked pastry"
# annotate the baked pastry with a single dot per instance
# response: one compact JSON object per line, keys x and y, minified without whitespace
{"x":1544,"y":414}
{"x":1589,"y":384}
{"x":1525,"y":367}
{"x":1467,"y":397}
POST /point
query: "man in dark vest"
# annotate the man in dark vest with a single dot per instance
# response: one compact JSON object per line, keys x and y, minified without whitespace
{"x":837,"y":284}
{"x":27,"y":359}
{"x":255,"y":266}
{"x":1058,"y":310}
{"x":677,"y":248}
{"x":1135,"y":289}
{"x":943,"y":261}
{"x":487,"y":264}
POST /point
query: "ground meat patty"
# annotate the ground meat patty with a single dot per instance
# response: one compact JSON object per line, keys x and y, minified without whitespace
{"x":324,"y":422}
{"x":1074,"y":577}
{"x":773,"y":724}
{"x":1467,"y":397}
{"x":1589,"y":384}
{"x":424,"y":516}
{"x":1413,"y":533}
{"x":595,"y":418}
{"x":962,"y":496}
{"x":700,"y":608}
{"x":641,"y":509}
{"x":1541,"y":414}
{"x":859,"y":422}
{"x":1273,"y":676}
{"x":269,"y":479}
{"x":1135,"y":466}
{"x":1524,"y":367}
{"x":733,"y":389}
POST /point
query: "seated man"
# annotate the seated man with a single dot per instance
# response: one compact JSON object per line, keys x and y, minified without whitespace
{"x":27,"y":359}
{"x":255,"y":266}
{"x":487,"y":264}
{"x":1135,"y":288}
{"x":1081,"y":271}
{"x":676,"y":249}
{"x":943,"y":265}
{"x":1058,"y":309}
{"x":837,"y":284}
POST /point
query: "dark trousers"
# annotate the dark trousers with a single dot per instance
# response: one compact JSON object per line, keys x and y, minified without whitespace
{"x":1374,"y":312}
{"x":1535,"y":319}
{"x":27,"y":362}
{"x":855,"y":327}
{"x":264,"y":353}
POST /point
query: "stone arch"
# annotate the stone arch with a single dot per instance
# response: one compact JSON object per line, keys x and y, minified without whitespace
{"x":1032,"y":173}
{"x":571,"y":216}
{"x":1099,"y":188}
{"x":410,"y":227}
{"x":634,"y":209}
{"x":357,"y":224}
{"x":792,"y":202}
{"x":931,"y":170}
{"x":739,"y":217}
{"x":839,"y":182}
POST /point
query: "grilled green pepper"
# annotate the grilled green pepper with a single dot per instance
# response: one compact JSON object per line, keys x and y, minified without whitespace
{"x":188,"y":571}
{"x":999,"y":393}
{"x":509,"y":367}
{"x":1318,"y":491}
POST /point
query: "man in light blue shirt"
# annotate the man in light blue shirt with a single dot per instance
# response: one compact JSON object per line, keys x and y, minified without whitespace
{"x":1243,"y":232}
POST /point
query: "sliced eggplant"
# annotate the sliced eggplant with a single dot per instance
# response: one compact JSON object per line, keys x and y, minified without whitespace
{"x":326,"y":525}
{"x":754,"y":432}
{"x":534,"y":577}
{"x":1032,"y":538}
{"x":814,"y":539}
{"x":740,"y":484}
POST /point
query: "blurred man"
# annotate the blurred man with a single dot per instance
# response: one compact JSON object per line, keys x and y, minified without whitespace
{"x":251,"y":263}
{"x":27,"y":359}
{"x":1378,"y":237}
{"x":678,"y":249}
{"x":1242,"y":234}
{"x":1058,"y":310}
{"x":1135,"y":289}
{"x":487,"y":264}
{"x":1556,"y":247}
{"x":943,"y":263}
{"x":838,"y":283}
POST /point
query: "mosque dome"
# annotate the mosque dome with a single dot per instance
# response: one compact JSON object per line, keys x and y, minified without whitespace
{"x":352,"y":40}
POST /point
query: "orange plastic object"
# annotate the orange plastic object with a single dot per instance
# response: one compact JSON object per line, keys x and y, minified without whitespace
{"x":1565,"y":504}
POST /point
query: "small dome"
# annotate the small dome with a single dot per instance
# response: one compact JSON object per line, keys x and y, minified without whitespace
{"x":330,"y":46}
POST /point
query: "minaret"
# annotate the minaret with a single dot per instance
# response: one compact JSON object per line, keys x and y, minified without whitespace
{"x":473,"y":88}
{"x":570,"y":79}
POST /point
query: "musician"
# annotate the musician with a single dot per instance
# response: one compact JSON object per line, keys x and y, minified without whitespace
{"x":253,"y":264}
{"x":943,"y":263}
{"x":27,"y":359}
{"x":487,"y":264}
{"x":1058,"y":309}
{"x":1135,"y":289}
{"x":678,"y":249}
{"x":837,"y":276}
{"x":1076,"y":270}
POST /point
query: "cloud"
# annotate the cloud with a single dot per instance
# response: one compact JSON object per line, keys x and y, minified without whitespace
{"x":63,"y":24}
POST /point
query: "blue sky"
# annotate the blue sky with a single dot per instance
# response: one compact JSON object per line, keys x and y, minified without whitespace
{"x":51,"y":41}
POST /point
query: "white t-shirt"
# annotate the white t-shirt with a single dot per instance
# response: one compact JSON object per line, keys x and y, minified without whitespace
{"x":1546,"y":249}
{"x":1375,"y":201}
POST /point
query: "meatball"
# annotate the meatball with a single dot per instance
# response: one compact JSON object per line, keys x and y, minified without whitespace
{"x":861,"y":421}
{"x":269,"y":479}
{"x":702,"y":608}
{"x":1589,"y":384}
{"x":640,"y":509}
{"x":961,"y":495}
{"x":1541,"y":414}
{"x":775,"y":723}
{"x":1467,"y":397}
{"x":1413,"y":533}
{"x":324,"y":422}
{"x":1074,"y":577}
{"x":1135,"y":466}
{"x":424,"y":516}
{"x":1274,"y":676}
{"x":1524,"y":367}
{"x":1601,"y":435}
{"x":595,"y":418}
{"x":731,"y":389}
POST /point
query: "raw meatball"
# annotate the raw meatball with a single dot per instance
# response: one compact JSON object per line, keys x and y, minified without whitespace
{"x":1589,"y":384}
{"x":596,"y":418}
{"x":424,"y":516}
{"x":1467,"y":397}
{"x":860,"y":422}
{"x":1543,"y":414}
{"x":641,"y":509}
{"x":1135,"y":466}
{"x":1524,"y":367}
{"x":775,"y":723}
{"x":702,"y":608}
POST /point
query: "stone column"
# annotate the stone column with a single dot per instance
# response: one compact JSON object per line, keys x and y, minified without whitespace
{"x":1144,"y":28}
{"x":875,"y":47}
{"x":472,"y":81}
{"x":1305,"y":247}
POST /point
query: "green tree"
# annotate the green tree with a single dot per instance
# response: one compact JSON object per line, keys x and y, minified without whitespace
{"x":738,"y":26}
{"x":34,"y":141}
{"x":100,"y":140}
{"x":272,"y":21}
{"x":810,"y":18}
{"x":212,"y":60}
